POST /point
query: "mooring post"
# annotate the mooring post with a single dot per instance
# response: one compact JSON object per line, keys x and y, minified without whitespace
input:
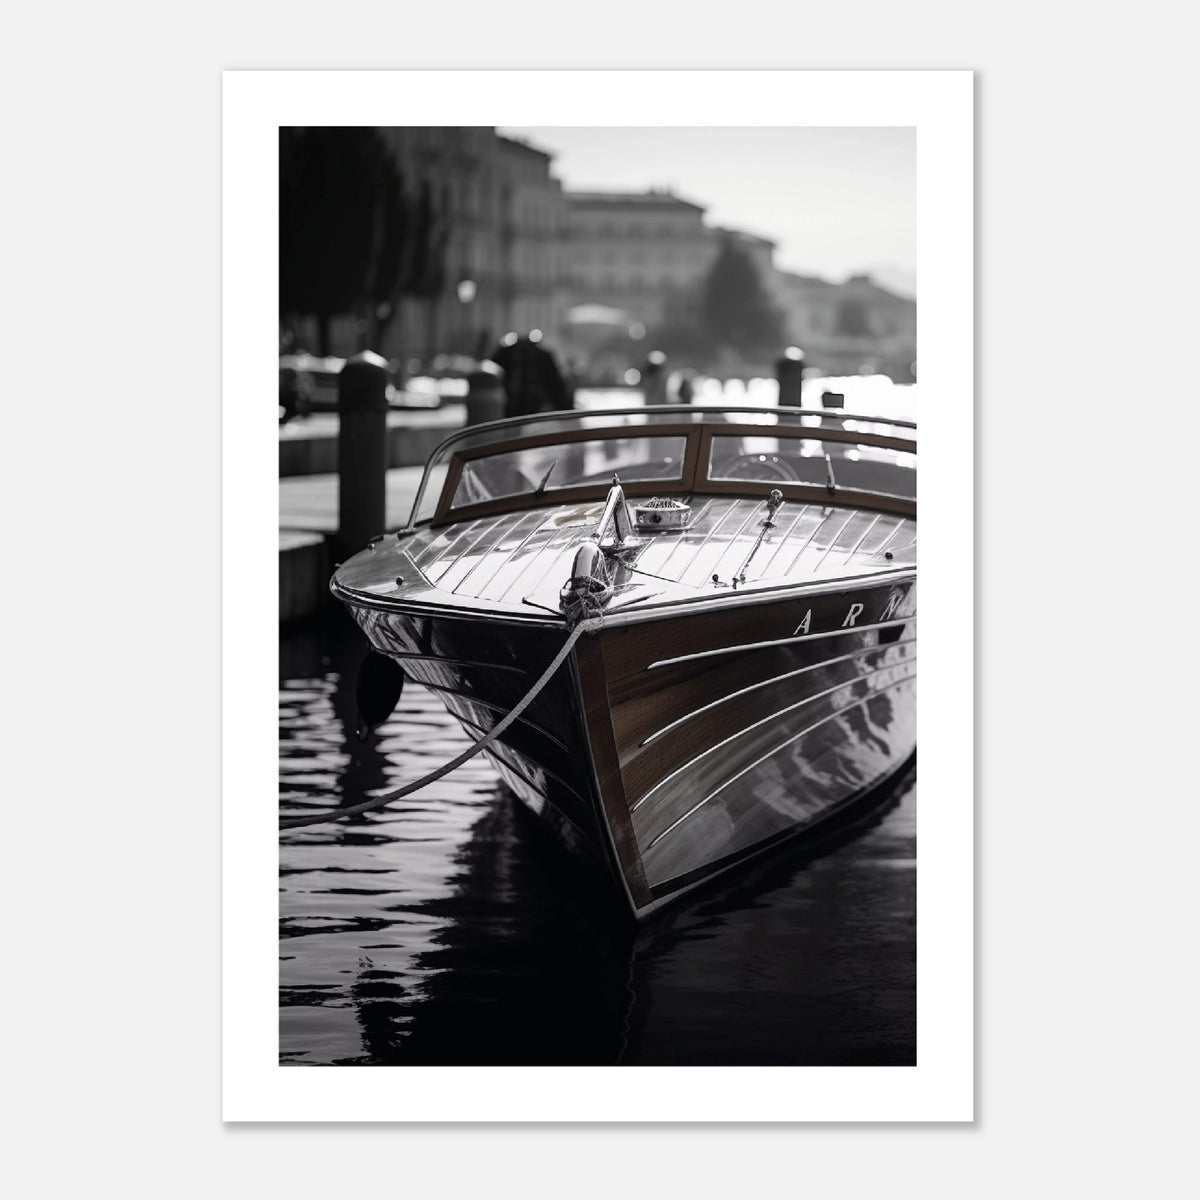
{"x":361,"y":452}
{"x":789,"y":370}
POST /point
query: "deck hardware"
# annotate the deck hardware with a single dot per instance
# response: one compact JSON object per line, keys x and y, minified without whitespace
{"x":657,"y":515}
{"x":774,"y":500}
{"x":830,"y":482}
{"x":616,"y":513}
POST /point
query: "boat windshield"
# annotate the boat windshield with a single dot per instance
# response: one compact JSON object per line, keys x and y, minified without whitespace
{"x":539,"y":469}
{"x":813,"y":461}
{"x":553,"y":452}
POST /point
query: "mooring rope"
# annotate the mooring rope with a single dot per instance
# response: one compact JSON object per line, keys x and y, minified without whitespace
{"x":583,"y":598}
{"x":399,"y":793}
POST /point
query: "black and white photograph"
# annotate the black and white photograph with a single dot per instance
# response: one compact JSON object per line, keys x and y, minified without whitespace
{"x":607,"y":439}
{"x":597,"y":707}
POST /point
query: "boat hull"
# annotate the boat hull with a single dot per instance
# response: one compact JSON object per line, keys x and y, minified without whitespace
{"x":673,"y":745}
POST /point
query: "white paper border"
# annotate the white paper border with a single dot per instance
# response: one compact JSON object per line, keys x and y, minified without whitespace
{"x":255,"y":1087}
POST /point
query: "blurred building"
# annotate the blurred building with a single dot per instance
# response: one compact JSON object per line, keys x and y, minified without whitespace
{"x":632,"y":251}
{"x":493,"y":244}
{"x":533,"y":279}
{"x":505,"y":227}
{"x":487,"y":223}
{"x":848,"y":327}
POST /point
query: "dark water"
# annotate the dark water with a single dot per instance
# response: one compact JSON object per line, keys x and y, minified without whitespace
{"x":448,"y":930}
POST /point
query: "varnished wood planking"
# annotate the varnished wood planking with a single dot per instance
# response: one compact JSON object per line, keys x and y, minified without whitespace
{"x":802,"y":784}
{"x":746,"y":744}
{"x":796,"y":699}
{"x":593,"y":686}
{"x":629,"y":652}
{"x":649,"y":702}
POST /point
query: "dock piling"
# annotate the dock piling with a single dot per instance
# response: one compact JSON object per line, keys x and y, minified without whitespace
{"x":789,"y":371}
{"x":361,"y":451}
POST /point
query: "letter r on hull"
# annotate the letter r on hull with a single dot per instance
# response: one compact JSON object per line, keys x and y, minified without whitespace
{"x":852,"y":615}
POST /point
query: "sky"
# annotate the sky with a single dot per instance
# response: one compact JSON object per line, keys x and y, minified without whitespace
{"x":835,"y":200}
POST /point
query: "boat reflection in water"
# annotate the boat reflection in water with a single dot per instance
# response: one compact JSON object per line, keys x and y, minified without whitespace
{"x":450,"y":930}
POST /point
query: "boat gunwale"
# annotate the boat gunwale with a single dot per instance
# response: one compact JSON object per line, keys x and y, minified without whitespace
{"x":632,"y":614}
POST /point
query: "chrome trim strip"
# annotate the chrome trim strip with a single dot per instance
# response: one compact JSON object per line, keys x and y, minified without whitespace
{"x":679,"y":541}
{"x":770,"y":754}
{"x":467,"y":532}
{"x":805,"y":637}
{"x":895,"y":530}
{"x":783,"y":541}
{"x":552,"y":549}
{"x":837,"y":537}
{"x":733,"y":737}
{"x":500,"y":529}
{"x":698,"y":550}
{"x":489,"y":532}
{"x":866,"y":533}
{"x":754,"y":504}
{"x":825,"y":662}
{"x":819,"y":526}
{"x":758,"y":592}
{"x":538,"y":517}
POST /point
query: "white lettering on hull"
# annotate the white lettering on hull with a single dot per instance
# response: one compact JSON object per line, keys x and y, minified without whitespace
{"x":850,"y":620}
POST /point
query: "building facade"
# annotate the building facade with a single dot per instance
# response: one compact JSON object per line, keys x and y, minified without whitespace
{"x":491,"y":222}
{"x":845,"y":328}
{"x":494,"y":245}
{"x":634,"y":252}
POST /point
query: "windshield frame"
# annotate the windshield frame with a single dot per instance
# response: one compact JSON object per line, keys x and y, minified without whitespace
{"x":698,"y":425}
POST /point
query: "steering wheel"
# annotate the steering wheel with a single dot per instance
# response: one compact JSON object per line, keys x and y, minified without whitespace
{"x":768,"y":468}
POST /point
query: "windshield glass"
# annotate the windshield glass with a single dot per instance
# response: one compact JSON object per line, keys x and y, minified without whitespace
{"x":572,"y":464}
{"x":803,"y":460}
{"x":625,"y":443}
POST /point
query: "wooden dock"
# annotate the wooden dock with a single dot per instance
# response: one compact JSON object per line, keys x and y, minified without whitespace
{"x":308,"y":495}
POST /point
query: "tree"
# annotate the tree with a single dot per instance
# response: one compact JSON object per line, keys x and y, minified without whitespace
{"x":342,"y":224}
{"x":736,"y":310}
{"x":424,"y":271}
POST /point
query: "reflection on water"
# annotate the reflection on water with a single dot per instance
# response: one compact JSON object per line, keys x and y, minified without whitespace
{"x":449,"y":930}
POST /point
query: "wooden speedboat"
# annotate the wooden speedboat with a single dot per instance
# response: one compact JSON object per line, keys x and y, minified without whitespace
{"x":738,"y":588}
